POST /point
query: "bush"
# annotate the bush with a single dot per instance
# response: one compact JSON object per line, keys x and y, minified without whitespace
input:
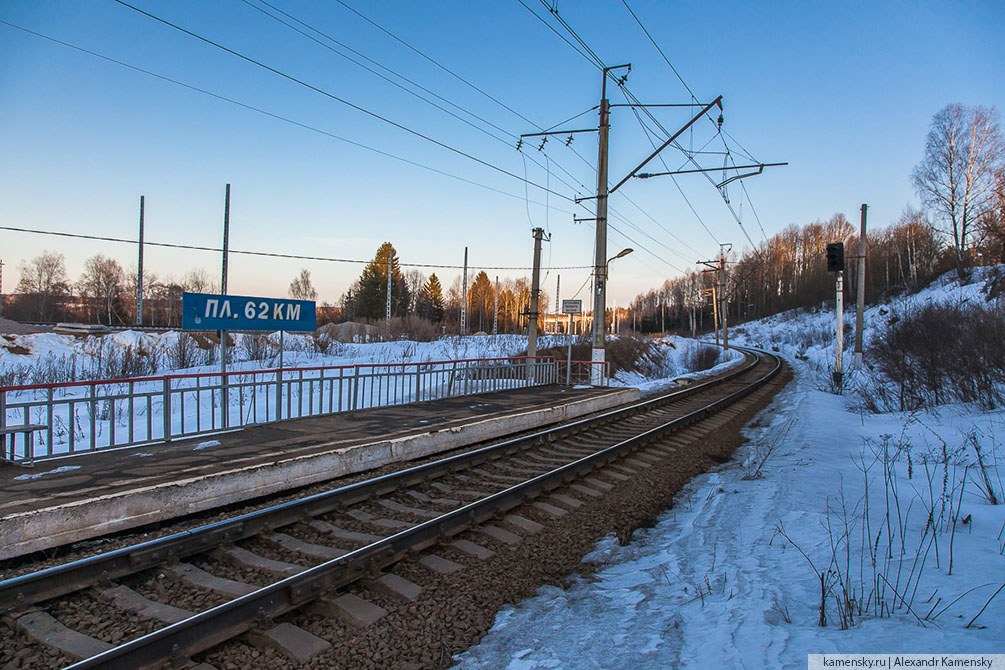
{"x":702,"y":357}
{"x":256,"y":347}
{"x":940,"y":354}
{"x":629,"y":352}
{"x":184,"y":353}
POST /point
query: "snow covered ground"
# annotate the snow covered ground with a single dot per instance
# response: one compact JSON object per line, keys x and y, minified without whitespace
{"x":79,"y":422}
{"x":889,"y":515}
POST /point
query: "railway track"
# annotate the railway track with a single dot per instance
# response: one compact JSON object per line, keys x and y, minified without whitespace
{"x":164,"y":602}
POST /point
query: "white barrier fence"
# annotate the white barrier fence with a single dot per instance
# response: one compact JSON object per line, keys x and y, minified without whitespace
{"x":46,"y":420}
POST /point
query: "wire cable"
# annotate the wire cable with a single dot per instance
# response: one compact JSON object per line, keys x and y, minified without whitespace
{"x":332,"y":96}
{"x":267,"y":113}
{"x":264,"y":254}
{"x":505,"y":141}
{"x":437,"y":64}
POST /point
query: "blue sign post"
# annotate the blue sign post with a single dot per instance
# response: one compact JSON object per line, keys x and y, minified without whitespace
{"x":210,"y":311}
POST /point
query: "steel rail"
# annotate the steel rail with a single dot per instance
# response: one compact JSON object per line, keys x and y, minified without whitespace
{"x":26,"y":590}
{"x":214,"y":626}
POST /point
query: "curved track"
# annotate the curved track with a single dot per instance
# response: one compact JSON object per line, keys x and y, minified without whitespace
{"x":234,"y":577}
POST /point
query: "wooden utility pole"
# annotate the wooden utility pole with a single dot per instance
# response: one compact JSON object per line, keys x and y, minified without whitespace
{"x":139,"y":272}
{"x":861,"y":292}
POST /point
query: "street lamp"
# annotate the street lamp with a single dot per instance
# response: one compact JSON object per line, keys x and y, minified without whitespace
{"x":622,"y":253}
{"x":599,"y":327}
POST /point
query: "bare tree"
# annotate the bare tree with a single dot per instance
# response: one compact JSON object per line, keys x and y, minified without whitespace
{"x":301,"y":287}
{"x":45,"y":278}
{"x":956,"y":179}
{"x":416,"y":280}
{"x":992,"y":224}
{"x":197,"y":281}
{"x":103,"y":281}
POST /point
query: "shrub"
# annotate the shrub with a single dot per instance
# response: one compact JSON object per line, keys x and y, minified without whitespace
{"x":256,"y":347}
{"x":943,"y":353}
{"x":701,"y":357}
{"x":184,"y":353}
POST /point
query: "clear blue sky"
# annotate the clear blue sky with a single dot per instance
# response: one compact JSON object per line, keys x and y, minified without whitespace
{"x":842,"y":91}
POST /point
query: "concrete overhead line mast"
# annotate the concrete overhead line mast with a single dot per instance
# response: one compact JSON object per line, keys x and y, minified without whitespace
{"x":719,"y":299}
{"x":603,"y":193}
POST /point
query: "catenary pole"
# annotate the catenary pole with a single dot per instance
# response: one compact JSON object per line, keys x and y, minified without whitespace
{"x":495,"y":312}
{"x":464,"y":295}
{"x":535,"y":299}
{"x":224,"y":391}
{"x":722,"y":296}
{"x":388,"y":317}
{"x":861,"y":292}
{"x":715,"y":311}
{"x":600,"y":248}
{"x":139,"y":271}
{"x":558,"y":292}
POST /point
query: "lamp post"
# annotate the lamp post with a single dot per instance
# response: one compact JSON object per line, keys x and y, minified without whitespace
{"x":598,"y":373}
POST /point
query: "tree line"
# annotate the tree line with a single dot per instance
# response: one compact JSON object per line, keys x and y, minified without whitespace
{"x":105,"y":293}
{"x":961,"y":223}
{"x":960,"y":182}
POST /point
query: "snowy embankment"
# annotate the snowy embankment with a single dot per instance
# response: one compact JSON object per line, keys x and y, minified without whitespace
{"x":889,"y":516}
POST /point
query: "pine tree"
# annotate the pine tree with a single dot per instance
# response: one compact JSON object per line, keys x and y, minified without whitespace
{"x":369,"y":295}
{"x":429,"y":303}
{"x":481,"y":299}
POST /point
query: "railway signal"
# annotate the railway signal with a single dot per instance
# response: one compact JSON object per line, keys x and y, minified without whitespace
{"x":835,"y":257}
{"x":835,"y":263}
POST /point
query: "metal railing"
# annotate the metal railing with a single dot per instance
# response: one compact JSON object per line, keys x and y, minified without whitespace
{"x":76,"y":417}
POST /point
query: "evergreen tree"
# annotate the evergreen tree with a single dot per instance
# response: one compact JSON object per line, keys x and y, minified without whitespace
{"x":429,"y":303}
{"x":369,"y":295}
{"x":481,"y":301}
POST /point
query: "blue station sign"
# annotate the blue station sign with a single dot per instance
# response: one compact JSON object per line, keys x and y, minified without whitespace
{"x":209,"y":311}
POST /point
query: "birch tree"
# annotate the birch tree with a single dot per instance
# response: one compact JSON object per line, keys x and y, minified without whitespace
{"x":956,"y":179}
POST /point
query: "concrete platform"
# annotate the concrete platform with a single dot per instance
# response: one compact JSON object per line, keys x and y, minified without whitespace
{"x":69,"y":499}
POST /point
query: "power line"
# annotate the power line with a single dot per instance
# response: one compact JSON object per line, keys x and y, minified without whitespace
{"x":720,"y":132}
{"x":264,"y":254}
{"x":355,"y":62}
{"x":561,"y":36}
{"x":265,"y":112}
{"x":437,"y":63}
{"x":334,"y":97}
{"x":434,"y":62}
{"x":592,"y":57}
{"x":625,"y":3}
{"x":504,"y":141}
